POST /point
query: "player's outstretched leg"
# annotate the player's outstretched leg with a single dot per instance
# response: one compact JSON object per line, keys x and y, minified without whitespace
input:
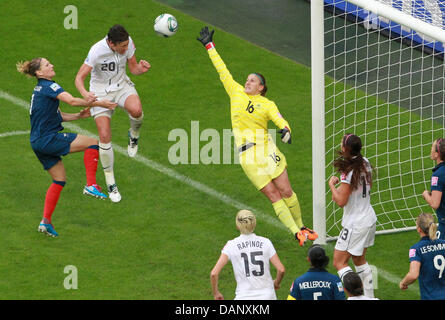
{"x":133,"y":107}
{"x":294,"y":207}
{"x":51,"y":199}
{"x":132,"y":148}
{"x":90,"y":159}
{"x":107,"y":159}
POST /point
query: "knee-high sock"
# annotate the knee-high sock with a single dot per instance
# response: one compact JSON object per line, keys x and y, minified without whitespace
{"x":294,"y":208}
{"x":106,"y":155}
{"x":365,"y":273}
{"x":51,"y":199}
{"x":90,"y":159}
{"x":283,"y":213}
{"x":135,"y":125}
{"x":343,"y":271}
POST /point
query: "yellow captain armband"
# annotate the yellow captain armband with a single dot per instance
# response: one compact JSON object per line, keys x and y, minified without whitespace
{"x":289,"y":297}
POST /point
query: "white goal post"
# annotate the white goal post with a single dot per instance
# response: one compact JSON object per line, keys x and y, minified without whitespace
{"x":373,"y":77}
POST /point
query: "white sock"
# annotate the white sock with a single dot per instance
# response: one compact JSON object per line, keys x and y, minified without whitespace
{"x":344,"y":271}
{"x":365,"y":273}
{"x":135,"y":125}
{"x":106,"y":156}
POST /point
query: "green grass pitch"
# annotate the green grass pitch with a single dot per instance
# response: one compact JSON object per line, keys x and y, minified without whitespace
{"x":162,"y":240}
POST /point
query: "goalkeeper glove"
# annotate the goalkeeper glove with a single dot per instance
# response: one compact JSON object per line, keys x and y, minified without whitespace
{"x":206,"y":37}
{"x":285,"y":135}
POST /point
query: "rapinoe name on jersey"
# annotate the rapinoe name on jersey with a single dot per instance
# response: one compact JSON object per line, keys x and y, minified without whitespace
{"x":250,"y":244}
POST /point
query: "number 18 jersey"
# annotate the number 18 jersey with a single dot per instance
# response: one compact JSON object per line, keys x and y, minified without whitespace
{"x":250,"y":255}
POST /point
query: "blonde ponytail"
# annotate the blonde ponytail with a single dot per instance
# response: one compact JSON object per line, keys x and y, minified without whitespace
{"x":425,"y":221}
{"x":29,"y":68}
{"x":432,"y":231}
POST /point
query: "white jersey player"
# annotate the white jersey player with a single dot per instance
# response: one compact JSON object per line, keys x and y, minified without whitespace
{"x":250,"y":255}
{"x":359,"y":218}
{"x":106,"y":62}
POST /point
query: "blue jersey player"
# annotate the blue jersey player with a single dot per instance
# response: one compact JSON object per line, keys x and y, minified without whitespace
{"x":434,"y":198}
{"x":317,"y":283}
{"x":49,"y":144}
{"x":427,"y":261}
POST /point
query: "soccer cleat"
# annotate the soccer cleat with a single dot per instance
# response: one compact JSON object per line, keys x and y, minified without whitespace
{"x":311,"y":234}
{"x":132,"y":148}
{"x":113,"y":193}
{"x":95,"y":191}
{"x":48,"y":229}
{"x":301,"y":237}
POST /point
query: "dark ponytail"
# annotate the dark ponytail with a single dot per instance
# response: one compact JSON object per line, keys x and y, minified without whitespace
{"x":352,"y":159}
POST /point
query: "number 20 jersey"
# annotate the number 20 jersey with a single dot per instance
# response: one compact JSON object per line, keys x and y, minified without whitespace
{"x":250,"y":255}
{"x":109,"y":67}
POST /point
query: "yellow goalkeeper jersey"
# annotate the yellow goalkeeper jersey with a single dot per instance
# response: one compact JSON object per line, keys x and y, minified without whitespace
{"x":249,"y":114}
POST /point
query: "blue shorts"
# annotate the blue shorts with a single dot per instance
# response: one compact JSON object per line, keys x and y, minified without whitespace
{"x":49,"y":149}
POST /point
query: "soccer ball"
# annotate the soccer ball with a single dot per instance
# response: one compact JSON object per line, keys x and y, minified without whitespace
{"x":166,"y":25}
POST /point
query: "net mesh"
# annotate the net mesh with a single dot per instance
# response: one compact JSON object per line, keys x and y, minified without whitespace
{"x":381,"y":87}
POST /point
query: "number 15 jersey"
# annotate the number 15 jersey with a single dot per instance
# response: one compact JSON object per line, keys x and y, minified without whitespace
{"x":250,"y":255}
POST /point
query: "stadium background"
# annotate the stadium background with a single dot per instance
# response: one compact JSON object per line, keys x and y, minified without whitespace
{"x":162,"y":240}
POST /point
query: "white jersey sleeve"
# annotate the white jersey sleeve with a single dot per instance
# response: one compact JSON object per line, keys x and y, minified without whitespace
{"x":131,"y":49}
{"x":91,"y":57}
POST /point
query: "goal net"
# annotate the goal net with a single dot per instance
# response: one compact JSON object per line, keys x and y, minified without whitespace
{"x":378,"y":73}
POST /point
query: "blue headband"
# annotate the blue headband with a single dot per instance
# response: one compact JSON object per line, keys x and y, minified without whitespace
{"x":259,"y":77}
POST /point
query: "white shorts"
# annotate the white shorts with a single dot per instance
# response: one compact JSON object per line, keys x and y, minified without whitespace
{"x":355,"y":240}
{"x":118,"y":97}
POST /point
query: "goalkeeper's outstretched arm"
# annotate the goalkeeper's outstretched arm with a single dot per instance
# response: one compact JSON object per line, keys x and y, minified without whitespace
{"x":206,"y":38}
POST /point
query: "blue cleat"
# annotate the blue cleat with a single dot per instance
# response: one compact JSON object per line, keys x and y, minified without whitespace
{"x":94,"y":191}
{"x":48,"y":229}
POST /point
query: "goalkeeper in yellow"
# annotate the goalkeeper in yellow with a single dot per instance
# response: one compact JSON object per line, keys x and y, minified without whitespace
{"x":259,"y":157}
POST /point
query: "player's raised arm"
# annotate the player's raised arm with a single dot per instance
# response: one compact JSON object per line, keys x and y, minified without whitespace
{"x":341,"y":194}
{"x":138,"y":68}
{"x":206,"y":38}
